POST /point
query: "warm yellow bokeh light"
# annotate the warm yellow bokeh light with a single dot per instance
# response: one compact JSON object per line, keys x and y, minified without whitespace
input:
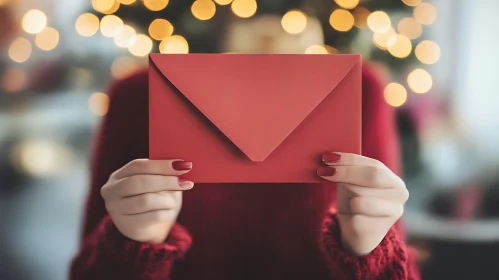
{"x":34,"y":21}
{"x":98,"y":103}
{"x":399,"y":46}
{"x":316,"y":49}
{"x":419,"y":81}
{"x":20,"y":50}
{"x":14,"y":80}
{"x":223,"y":2}
{"x":142,"y":46}
{"x":126,"y":37}
{"x":381,"y":39}
{"x":360,"y":15}
{"x":347,"y":4}
{"x":412,"y":3}
{"x":294,"y":22}
{"x":410,"y":27}
{"x":41,"y":158}
{"x":425,"y":13}
{"x":341,"y":20}
{"x":160,"y":29}
{"x":113,"y":9}
{"x":331,"y":50}
{"x":47,"y":39}
{"x":111,"y":25}
{"x":87,"y":24}
{"x":174,"y":44}
{"x":244,"y":8}
{"x":203,"y":9}
{"x":379,"y":22}
{"x":103,"y":6}
{"x":123,"y":67}
{"x":428,"y":52}
{"x":127,"y":2}
{"x":155,"y":5}
{"x":395,"y":94}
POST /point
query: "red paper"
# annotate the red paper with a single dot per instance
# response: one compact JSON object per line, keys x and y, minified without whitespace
{"x":253,"y":118}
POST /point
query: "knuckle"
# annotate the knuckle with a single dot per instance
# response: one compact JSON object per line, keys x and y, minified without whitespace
{"x":358,"y":204}
{"x":160,"y":215}
{"x":405,"y":194}
{"x":373,"y":174}
{"x":146,"y":201}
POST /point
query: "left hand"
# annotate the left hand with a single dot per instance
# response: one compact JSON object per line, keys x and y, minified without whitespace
{"x":370,"y":199}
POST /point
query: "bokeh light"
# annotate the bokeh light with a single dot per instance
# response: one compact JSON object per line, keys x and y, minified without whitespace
{"x":113,"y":9}
{"x":425,"y":13}
{"x":111,"y":25}
{"x":174,"y":44}
{"x":419,"y":81}
{"x":223,"y":2}
{"x":360,"y":15}
{"x":428,"y":52}
{"x":341,"y":20}
{"x":244,"y":8}
{"x":381,"y":39}
{"x":399,"y":46}
{"x":347,"y":4}
{"x":47,"y":39}
{"x":20,"y":50}
{"x":127,"y":2}
{"x":81,"y":77}
{"x":395,"y":94}
{"x":294,"y":22}
{"x":331,"y":50}
{"x":142,"y":46}
{"x":34,"y":21}
{"x":379,"y":22}
{"x":410,"y":27}
{"x":155,"y":5}
{"x":103,"y":6}
{"x":126,"y":37}
{"x":412,"y":3}
{"x":203,"y":9}
{"x":98,"y":103}
{"x":160,"y":29}
{"x":87,"y":24}
{"x":123,"y":67}
{"x":14,"y":79}
{"x":316,"y":49}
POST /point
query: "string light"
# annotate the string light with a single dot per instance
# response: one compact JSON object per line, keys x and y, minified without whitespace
{"x":203,"y":9}
{"x":410,"y":28}
{"x":347,"y":4}
{"x":381,"y":39}
{"x":379,"y":22}
{"x":156,"y":5}
{"x":428,"y":52}
{"x":126,"y":2}
{"x":34,"y":21}
{"x":103,"y":6}
{"x":113,"y":9}
{"x":111,"y":25}
{"x":142,"y":46}
{"x":425,"y":13}
{"x":316,"y":49}
{"x":87,"y":24}
{"x":126,"y":37}
{"x":399,"y":46}
{"x":40,"y":158}
{"x":360,"y":15}
{"x":160,"y":29}
{"x":123,"y":67}
{"x":20,"y":50}
{"x":412,"y":3}
{"x":98,"y":103}
{"x":223,"y":2}
{"x":244,"y":8}
{"x":14,"y":79}
{"x":47,"y":39}
{"x":341,"y":20}
{"x":419,"y":81}
{"x":331,"y":50}
{"x":395,"y":94}
{"x":294,"y":22}
{"x":174,"y":44}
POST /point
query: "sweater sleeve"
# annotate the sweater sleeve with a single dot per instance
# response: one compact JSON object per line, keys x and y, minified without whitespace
{"x":104,"y":252}
{"x":392,"y":258}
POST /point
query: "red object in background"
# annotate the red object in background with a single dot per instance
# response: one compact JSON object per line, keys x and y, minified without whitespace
{"x":281,"y":112}
{"x":467,"y":204}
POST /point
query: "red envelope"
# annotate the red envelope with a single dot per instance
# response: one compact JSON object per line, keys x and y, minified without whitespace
{"x":245,"y":118}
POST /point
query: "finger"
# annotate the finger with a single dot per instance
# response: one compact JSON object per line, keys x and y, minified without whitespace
{"x":366,"y":176}
{"x":172,"y":167}
{"x":141,"y":204}
{"x":141,"y":184}
{"x":154,"y":216}
{"x":336,"y":158}
{"x":375,"y":207}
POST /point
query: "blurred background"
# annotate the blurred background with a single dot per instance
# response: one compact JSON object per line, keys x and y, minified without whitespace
{"x":437,"y":60}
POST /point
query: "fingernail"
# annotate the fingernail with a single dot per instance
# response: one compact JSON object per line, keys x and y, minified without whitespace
{"x":331,"y":157}
{"x":326,"y":171}
{"x":186,"y":184}
{"x":181,"y":165}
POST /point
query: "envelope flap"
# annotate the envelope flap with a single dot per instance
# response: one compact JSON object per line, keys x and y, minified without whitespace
{"x":255,"y":100}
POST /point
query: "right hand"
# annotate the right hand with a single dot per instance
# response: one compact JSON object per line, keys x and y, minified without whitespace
{"x":144,"y":198}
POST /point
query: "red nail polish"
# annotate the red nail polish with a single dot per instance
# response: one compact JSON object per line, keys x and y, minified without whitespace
{"x":331,"y":157}
{"x":326,"y":171}
{"x":186,"y":184}
{"x":181,"y":165}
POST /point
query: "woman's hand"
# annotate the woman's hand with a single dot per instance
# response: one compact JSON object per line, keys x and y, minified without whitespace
{"x":370,"y":199}
{"x":144,"y":198}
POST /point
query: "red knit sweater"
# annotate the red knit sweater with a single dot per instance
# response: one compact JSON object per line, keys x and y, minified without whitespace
{"x":235,"y":232}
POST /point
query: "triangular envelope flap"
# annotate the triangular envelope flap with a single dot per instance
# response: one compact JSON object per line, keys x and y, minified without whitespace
{"x":255,"y":100}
